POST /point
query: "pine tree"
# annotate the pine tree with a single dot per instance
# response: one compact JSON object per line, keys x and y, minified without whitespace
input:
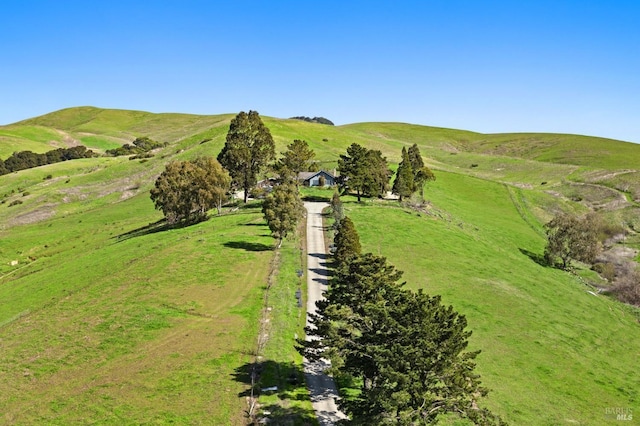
{"x":421,"y":173}
{"x":405,"y":349}
{"x":404,"y":186}
{"x":297,"y":158}
{"x":283,"y":209}
{"x":337,"y":209}
{"x":248,"y":149}
{"x":347,"y":241}
{"x":364,"y":171}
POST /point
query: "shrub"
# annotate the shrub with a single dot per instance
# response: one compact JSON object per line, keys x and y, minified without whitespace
{"x":627,"y":288}
{"x":606,"y":270}
{"x":15,"y":203}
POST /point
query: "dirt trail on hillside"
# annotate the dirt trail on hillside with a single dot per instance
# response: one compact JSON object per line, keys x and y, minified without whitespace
{"x":322,"y":388}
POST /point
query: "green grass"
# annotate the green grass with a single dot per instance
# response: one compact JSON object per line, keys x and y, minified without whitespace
{"x":158,"y":327}
{"x":538,"y":328}
{"x":134,"y":327}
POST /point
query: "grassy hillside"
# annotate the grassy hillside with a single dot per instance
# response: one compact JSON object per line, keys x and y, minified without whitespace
{"x":107,"y":317}
{"x":546,"y":341}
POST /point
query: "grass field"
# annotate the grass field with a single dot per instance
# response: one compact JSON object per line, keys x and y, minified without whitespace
{"x":552,"y":353}
{"x":107,"y":317}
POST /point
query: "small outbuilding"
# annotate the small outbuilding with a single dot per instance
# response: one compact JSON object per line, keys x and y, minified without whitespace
{"x":320,"y":178}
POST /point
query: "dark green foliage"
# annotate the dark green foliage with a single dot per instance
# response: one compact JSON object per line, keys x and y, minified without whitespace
{"x":26,"y":159}
{"x":572,"y":237}
{"x":248,"y":149}
{"x":319,"y":120}
{"x":297,"y":158}
{"x":283,"y":209}
{"x":404,"y":186}
{"x":337,"y":209}
{"x":364,"y":171}
{"x":140,"y":146}
{"x":421,"y":173}
{"x":347,"y":241}
{"x":186,"y":190}
{"x":405,"y":349}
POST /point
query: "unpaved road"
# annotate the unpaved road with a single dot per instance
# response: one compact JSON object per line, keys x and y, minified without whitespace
{"x":321,"y":387}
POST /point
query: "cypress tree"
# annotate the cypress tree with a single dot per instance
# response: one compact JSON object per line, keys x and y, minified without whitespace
{"x":347,"y":241}
{"x":404,"y":186}
{"x":282,"y":209}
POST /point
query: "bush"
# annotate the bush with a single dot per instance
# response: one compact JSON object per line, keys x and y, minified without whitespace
{"x":606,"y":270}
{"x":15,"y":203}
{"x":627,"y":288}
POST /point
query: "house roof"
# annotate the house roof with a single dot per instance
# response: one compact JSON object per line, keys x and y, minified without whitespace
{"x":304,"y":176}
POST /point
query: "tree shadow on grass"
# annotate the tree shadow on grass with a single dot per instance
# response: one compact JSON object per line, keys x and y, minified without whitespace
{"x":286,"y":380}
{"x":538,"y":258}
{"x":245,"y":245}
{"x":159,"y":226}
{"x":316,"y":198}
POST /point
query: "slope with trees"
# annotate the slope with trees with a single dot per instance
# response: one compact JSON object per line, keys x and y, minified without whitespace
{"x":405,"y":349}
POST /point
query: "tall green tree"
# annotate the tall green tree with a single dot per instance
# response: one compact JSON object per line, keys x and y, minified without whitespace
{"x":186,"y":190}
{"x":403,"y":185}
{"x":570,"y":237}
{"x":248,"y":149}
{"x":297,"y":158}
{"x":364,"y":171}
{"x":347,"y":241}
{"x":337,"y":209}
{"x":406,"y":350}
{"x":283,"y":209}
{"x":421,"y":173}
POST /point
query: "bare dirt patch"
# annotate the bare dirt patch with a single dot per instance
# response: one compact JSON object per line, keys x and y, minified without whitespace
{"x":41,"y":213}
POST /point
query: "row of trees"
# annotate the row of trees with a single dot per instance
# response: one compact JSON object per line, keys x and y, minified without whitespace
{"x":404,"y":350}
{"x":27,"y":159}
{"x":186,"y":190}
{"x":366,"y":172}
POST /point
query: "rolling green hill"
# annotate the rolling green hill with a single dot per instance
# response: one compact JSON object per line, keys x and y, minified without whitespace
{"x":107,"y":317}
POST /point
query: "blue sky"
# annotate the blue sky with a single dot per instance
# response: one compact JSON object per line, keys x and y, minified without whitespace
{"x":487,"y":66}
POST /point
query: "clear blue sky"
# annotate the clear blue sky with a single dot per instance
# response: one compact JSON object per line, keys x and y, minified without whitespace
{"x":488,"y":66}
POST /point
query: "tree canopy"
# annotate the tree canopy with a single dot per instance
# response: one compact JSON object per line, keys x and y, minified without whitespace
{"x":404,"y":349}
{"x":404,"y":185}
{"x":364,"y":171}
{"x":27,"y":159}
{"x":186,"y":190}
{"x":297,"y":158}
{"x":421,"y":173}
{"x":572,"y":237}
{"x":283,"y":209}
{"x":346,"y":240}
{"x":248,"y":149}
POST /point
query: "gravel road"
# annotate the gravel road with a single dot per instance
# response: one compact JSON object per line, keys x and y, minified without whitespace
{"x":321,"y":386}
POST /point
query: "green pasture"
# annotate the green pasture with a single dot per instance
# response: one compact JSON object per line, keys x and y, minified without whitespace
{"x":552,"y":352}
{"x":108,"y":317}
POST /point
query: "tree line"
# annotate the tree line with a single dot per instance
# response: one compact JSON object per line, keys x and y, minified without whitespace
{"x":404,"y":351}
{"x":23,"y":160}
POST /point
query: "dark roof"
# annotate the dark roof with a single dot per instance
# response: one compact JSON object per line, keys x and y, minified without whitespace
{"x":303,"y":176}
